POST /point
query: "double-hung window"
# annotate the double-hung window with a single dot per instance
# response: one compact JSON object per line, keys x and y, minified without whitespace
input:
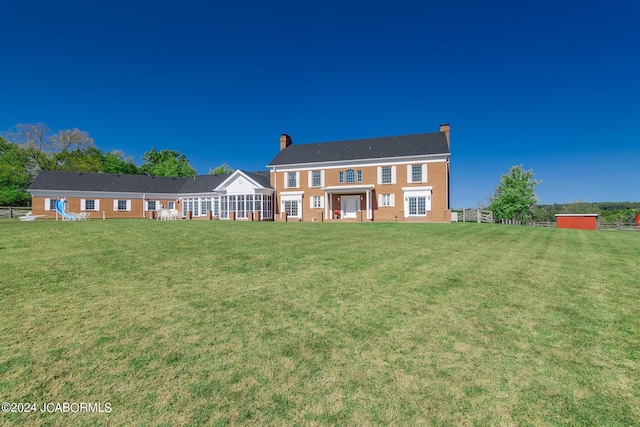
{"x":317,"y":202}
{"x":292,"y":181}
{"x":416,"y":173}
{"x":316,"y":179}
{"x":386,"y":200}
{"x":89,"y":205}
{"x":386,"y":175}
{"x":122,"y":205}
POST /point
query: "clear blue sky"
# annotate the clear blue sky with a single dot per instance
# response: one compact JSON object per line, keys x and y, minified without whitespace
{"x":551,"y":85}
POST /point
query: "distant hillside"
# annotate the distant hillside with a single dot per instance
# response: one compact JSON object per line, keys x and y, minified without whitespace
{"x":623,"y":212}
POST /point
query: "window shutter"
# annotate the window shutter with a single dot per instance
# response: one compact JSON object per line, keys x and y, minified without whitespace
{"x":310,"y":179}
{"x":424,"y":173}
{"x":146,"y":205}
{"x":311,"y":202}
{"x":322,"y":179}
{"x":393,"y":174}
{"x":392,"y":200}
{"x":128,"y":205}
{"x":286,"y":180}
{"x":97,"y":204}
{"x":47,"y":204}
{"x":379,"y":175}
{"x":322,"y":202}
{"x":379,"y":200}
{"x":83,"y":204}
{"x":409,"y":173}
{"x":115,"y":205}
{"x":297,"y":179}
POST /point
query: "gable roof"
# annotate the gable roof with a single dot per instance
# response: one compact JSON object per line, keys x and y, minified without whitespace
{"x":364,"y":149}
{"x":103,"y":182}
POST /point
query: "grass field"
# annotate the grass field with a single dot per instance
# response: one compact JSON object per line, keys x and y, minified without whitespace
{"x":223,"y":323}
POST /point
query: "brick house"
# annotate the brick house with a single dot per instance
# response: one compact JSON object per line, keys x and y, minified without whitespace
{"x":239,"y":195}
{"x":397,"y":178}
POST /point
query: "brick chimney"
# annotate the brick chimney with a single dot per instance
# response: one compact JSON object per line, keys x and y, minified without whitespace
{"x":285,"y":141}
{"x":446,"y":129}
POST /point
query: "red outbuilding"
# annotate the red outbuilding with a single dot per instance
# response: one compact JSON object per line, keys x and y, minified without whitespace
{"x":578,"y":221}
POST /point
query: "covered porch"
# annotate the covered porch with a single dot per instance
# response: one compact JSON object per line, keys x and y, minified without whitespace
{"x":349,"y":202}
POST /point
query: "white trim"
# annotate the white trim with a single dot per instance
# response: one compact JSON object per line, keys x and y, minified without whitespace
{"x":383,"y":161}
{"x":348,"y":188}
{"x":427,"y":188}
{"x":291,"y":193}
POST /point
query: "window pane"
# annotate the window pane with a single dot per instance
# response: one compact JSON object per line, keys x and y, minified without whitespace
{"x":315,"y":179}
{"x":416,"y":173}
{"x":340,"y":177}
{"x":351,"y":175}
{"x":122,"y":205}
{"x":422,"y":203}
{"x":386,"y":175}
{"x":90,"y":205}
{"x":292,"y":180}
{"x":359,"y":176}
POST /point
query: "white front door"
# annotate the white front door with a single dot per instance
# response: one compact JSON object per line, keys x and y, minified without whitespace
{"x":349,"y":206}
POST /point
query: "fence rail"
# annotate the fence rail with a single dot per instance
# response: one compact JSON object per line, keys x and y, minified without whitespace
{"x":11,"y":212}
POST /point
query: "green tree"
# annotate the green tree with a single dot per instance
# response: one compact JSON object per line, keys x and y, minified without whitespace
{"x":515,"y":196}
{"x":14,"y":176}
{"x":219,"y":170}
{"x":166,"y":163}
{"x":116,"y":162}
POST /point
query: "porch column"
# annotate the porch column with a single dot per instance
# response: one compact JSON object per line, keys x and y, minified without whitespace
{"x":330,"y":216}
{"x":368,"y":204}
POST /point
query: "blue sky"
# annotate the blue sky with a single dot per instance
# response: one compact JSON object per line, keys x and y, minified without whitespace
{"x":551,"y":85}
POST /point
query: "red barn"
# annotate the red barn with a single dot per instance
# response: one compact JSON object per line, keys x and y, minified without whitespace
{"x":578,"y":221}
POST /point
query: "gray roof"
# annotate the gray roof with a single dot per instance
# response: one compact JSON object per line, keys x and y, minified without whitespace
{"x":103,"y":182}
{"x":364,"y":149}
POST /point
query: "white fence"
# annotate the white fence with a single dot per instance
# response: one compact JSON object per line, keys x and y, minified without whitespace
{"x":471,"y":215}
{"x":11,"y":212}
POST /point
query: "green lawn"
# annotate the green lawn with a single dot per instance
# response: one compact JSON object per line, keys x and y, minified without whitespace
{"x":223,"y":323}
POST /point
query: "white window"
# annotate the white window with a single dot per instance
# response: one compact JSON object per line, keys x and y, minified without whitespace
{"x":417,"y":201}
{"x":291,"y":204}
{"x":351,"y":175}
{"x":316,"y":178}
{"x":417,"y":173}
{"x":359,"y":176}
{"x":317,"y":202}
{"x":120,"y":205}
{"x":387,"y":175}
{"x":387,"y":200}
{"x":291,"y":208}
{"x":52,"y":204}
{"x":292,"y":180}
{"x":341,"y":177}
{"x":417,"y":206}
{"x":171,"y":205}
{"x":89,"y":205}
{"x":205,"y":206}
{"x":152,"y":205}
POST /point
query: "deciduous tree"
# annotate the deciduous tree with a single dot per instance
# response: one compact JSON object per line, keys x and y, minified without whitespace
{"x":219,"y":170}
{"x":515,"y":196}
{"x":166,"y":163}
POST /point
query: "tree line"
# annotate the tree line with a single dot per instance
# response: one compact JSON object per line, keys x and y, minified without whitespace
{"x":30,"y":148}
{"x":514,"y":199}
